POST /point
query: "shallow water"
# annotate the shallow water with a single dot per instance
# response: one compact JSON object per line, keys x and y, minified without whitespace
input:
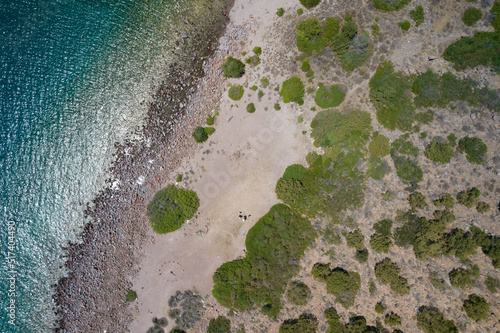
{"x":76,"y":77}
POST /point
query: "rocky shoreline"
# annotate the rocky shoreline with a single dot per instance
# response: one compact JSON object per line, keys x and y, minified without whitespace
{"x":92,"y":297}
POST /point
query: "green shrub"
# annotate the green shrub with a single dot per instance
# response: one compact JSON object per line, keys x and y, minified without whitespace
{"x":390,"y":5}
{"x":344,"y":285}
{"x":209,"y":130}
{"x":408,"y":170}
{"x":469,"y":198}
{"x":306,"y":323}
{"x":264,"y":82}
{"x":359,"y":51}
{"x":492,"y":284}
{"x":392,"y":319}
{"x":131,"y":296}
{"x":461,"y":244}
{"x":277,"y":106}
{"x":355,"y":240}
{"x":474,"y":148}
{"x":380,"y":243}
{"x":373,"y":288}
{"x":274,"y":245}
{"x":321,"y":272}
{"x":310,"y":3}
{"x":417,"y":15}
{"x":171,"y":207}
{"x":306,"y":66}
{"x":377,"y":168}
{"x":452,"y":139}
{"x":495,"y":20}
{"x":362,"y":256}
{"x":379,"y":146}
{"x":292,"y":90}
{"x":310,"y":74}
{"x":388,"y":93}
{"x":260,"y":94}
{"x":471,"y":16}
{"x":254,"y":88}
{"x":388,"y":273}
{"x":481,"y":49}
{"x":280,"y":12}
{"x":200,"y":135}
{"x":380,"y":308}
{"x":233,"y":67}
{"x":329,"y":96}
{"x":253,"y":60}
{"x":250,"y":108}
{"x":300,"y":11}
{"x":425,"y":117}
{"x":383,"y":227}
{"x":430,"y":320}
{"x":178,"y":179}
{"x":439,"y":152}
{"x":298,"y":293}
{"x":310,"y":36}
{"x":417,"y":201}
{"x":482,"y":207}
{"x":219,"y":325}
{"x":476,"y":307}
{"x":210,"y":120}
{"x":332,"y":318}
{"x":460,"y":278}
{"x":405,"y":25}
{"x":437,"y":282}
{"x":236,"y":92}
{"x":445,"y":200}
{"x":375,"y":29}
{"x":257,"y":50}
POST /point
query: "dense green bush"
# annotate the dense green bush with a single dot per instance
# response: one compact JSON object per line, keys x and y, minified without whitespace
{"x":460,"y":278}
{"x":474,"y":148}
{"x":445,"y":200}
{"x":355,"y":239}
{"x":388,"y":273}
{"x":362,"y":255}
{"x":388,"y":93}
{"x":329,"y":96}
{"x":460,"y":243}
{"x":250,"y":108}
{"x":306,"y":66}
{"x":471,"y":16}
{"x":209,"y":130}
{"x":310,"y":36}
{"x":495,"y":20}
{"x":392,"y":319}
{"x":468,"y":198}
{"x":306,"y":323}
{"x":344,"y":285}
{"x":321,"y":272}
{"x":383,"y":227}
{"x":379,"y":146}
{"x":310,"y":3}
{"x":490,"y":244}
{"x":219,"y":325}
{"x":274,"y":245}
{"x":236,"y":92}
{"x":200,"y":135}
{"x":257,"y":50}
{"x":390,"y":5}
{"x":380,"y":243}
{"x":482,"y":207}
{"x":233,"y":67}
{"x":377,"y":168}
{"x":131,"y":296}
{"x":430,"y":320}
{"x":405,"y":25}
{"x":300,"y":11}
{"x":417,"y":15}
{"x":439,"y":152}
{"x":476,"y":307}
{"x":380,"y":308}
{"x":481,"y":49}
{"x":298,"y":293}
{"x":492,"y":284}
{"x":280,"y":12}
{"x":417,"y":201}
{"x":292,"y":90}
{"x":171,"y":207}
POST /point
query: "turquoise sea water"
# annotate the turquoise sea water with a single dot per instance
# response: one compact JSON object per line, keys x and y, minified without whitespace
{"x":76,"y":76}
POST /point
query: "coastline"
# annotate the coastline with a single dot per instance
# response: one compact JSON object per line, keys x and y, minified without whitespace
{"x":91,"y":297}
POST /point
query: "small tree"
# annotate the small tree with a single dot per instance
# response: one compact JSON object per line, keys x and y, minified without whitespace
{"x":392,"y":319}
{"x":430,"y":320}
{"x":298,"y":293}
{"x":200,"y":135}
{"x":131,"y":296}
{"x":219,"y":325}
{"x":292,"y":90}
{"x":471,"y":16}
{"x":380,"y":308}
{"x":469,"y":198}
{"x":306,"y":323}
{"x":233,"y":67}
{"x":476,"y":307}
{"x":474,"y":148}
{"x":439,"y":152}
{"x":445,"y":200}
{"x":380,"y":243}
{"x":417,"y":200}
{"x":355,"y":239}
{"x":460,"y":278}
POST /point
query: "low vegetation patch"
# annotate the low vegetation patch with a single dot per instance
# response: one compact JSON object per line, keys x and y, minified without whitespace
{"x":471,"y":16}
{"x":274,"y":245}
{"x":329,"y":96}
{"x":377,"y":168}
{"x":292,"y":90}
{"x":388,"y":93}
{"x":233,"y":67}
{"x":380,"y":146}
{"x":171,"y":207}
